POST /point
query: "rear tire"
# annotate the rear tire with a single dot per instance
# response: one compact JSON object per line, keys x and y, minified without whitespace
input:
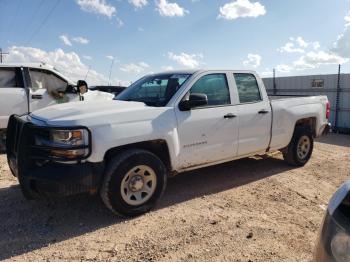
{"x":300,"y":148}
{"x":134,"y":182}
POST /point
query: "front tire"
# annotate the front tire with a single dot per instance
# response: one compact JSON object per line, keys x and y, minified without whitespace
{"x":300,"y":148}
{"x":134,"y":182}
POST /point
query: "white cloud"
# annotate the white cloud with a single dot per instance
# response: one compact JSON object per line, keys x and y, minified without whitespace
{"x":316,"y":45}
{"x":65,"y":40}
{"x":110,"y":57}
{"x":342,"y":45}
{"x":186,"y":60}
{"x":97,"y":7}
{"x":290,"y":48}
{"x":347,"y":19}
{"x":241,"y":8}
{"x":68,"y":40}
{"x":140,"y":29}
{"x":138,"y":3}
{"x":312,"y":60}
{"x":87,"y":57}
{"x":298,"y":45}
{"x":253,"y":60}
{"x":301,"y":42}
{"x":167,"y":68}
{"x":170,"y":9}
{"x":68,"y":63}
{"x":120,"y":22}
{"x":316,"y":59}
{"x":267,"y":73}
{"x":135,"y":68}
{"x":143,"y":64}
{"x":284,"y":68}
{"x":81,"y":40}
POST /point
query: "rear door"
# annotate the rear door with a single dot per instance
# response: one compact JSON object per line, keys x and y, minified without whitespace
{"x":13,"y":98}
{"x":254,"y":114}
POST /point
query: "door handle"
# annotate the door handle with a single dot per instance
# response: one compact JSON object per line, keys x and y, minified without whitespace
{"x":263,"y":111}
{"x":37,"y":97}
{"x":230,"y":115}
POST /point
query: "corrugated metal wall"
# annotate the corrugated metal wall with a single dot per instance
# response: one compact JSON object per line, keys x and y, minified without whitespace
{"x":303,"y":85}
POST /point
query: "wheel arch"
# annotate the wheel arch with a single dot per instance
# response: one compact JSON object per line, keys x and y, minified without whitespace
{"x":308,"y":122}
{"x":159,"y":147}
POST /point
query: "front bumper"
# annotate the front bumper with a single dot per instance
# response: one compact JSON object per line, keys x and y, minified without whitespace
{"x":59,"y":180}
{"x":40,"y":174}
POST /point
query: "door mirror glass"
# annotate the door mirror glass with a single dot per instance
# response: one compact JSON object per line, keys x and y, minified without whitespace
{"x":82,"y":86}
{"x":194,"y":100}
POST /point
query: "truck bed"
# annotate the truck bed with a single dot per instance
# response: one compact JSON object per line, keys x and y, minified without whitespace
{"x":278,"y":97}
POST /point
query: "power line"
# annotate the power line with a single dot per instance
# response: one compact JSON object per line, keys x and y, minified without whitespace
{"x":34,"y":14}
{"x":43,"y":22}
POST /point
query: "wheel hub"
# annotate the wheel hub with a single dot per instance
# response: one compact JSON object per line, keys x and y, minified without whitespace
{"x":304,"y":146}
{"x":136,"y":183}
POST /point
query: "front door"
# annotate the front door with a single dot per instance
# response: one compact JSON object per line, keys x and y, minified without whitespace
{"x":208,"y":134}
{"x":48,"y":89}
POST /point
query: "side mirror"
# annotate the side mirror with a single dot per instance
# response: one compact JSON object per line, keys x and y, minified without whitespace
{"x":195,"y":100}
{"x":82,"y":87}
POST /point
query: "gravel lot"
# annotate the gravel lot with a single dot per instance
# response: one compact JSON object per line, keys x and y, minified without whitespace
{"x":249,"y":210}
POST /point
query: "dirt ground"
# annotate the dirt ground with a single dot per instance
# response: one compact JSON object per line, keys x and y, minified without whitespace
{"x":247,"y":210}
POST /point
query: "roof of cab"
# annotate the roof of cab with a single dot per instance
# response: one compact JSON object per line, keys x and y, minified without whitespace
{"x":37,"y":66}
{"x":32,"y":65}
{"x":199,"y":71}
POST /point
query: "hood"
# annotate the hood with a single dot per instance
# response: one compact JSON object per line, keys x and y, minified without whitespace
{"x":93,"y":95}
{"x":91,"y":113}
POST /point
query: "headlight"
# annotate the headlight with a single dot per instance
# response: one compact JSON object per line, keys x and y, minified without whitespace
{"x":69,"y":137}
{"x":68,"y":144}
{"x":340,"y":246}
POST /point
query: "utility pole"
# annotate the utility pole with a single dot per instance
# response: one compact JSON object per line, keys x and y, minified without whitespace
{"x":87,"y":72}
{"x":110,"y":72}
{"x":274,"y":82}
{"x":2,"y":54}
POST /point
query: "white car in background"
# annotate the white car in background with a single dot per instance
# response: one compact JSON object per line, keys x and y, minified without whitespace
{"x":25,"y":88}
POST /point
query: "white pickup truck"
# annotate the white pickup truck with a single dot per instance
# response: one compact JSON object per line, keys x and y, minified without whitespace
{"x":162,"y":125}
{"x":26,"y":87}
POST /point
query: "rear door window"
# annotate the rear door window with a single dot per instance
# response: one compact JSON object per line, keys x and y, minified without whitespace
{"x":8,"y":78}
{"x":248,"y":89}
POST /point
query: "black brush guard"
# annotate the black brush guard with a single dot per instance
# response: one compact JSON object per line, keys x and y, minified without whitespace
{"x":41,"y":173}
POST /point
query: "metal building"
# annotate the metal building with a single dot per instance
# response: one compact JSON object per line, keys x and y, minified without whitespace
{"x":335,"y":86}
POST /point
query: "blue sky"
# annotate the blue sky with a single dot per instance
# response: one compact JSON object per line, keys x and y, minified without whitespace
{"x":296,"y":37}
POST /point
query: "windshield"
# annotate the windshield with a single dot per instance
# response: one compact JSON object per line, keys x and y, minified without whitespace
{"x":154,"y":90}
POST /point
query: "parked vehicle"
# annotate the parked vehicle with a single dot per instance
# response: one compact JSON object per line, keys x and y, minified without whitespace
{"x":28,"y":87}
{"x":116,"y":90}
{"x":162,"y":125}
{"x":334,"y":240}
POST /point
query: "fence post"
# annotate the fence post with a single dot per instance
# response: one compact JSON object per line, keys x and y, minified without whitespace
{"x":337,"y":101}
{"x":274,"y":82}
